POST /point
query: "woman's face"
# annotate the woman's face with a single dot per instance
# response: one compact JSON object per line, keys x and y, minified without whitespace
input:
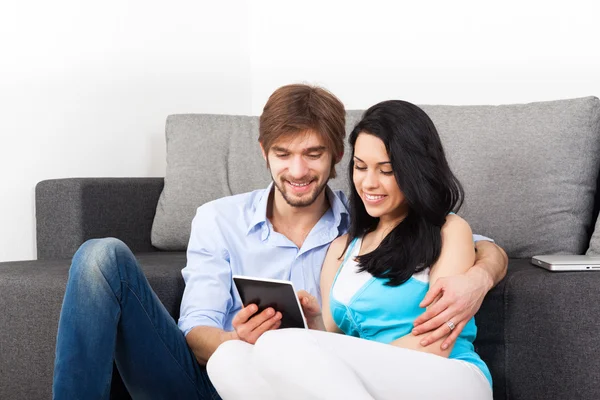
{"x":374,"y":179}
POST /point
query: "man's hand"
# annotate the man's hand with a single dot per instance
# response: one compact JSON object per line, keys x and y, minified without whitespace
{"x":248,"y":326}
{"x":460,"y":297}
{"x":312,"y":310}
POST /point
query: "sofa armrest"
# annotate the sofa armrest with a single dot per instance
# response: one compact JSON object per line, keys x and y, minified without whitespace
{"x":538,"y":333}
{"x":31,"y":296}
{"x":71,"y":211}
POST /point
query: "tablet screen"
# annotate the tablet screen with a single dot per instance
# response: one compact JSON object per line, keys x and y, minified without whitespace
{"x":278,"y":294}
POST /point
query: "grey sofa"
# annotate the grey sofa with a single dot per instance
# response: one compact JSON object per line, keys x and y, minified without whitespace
{"x":538,"y":331}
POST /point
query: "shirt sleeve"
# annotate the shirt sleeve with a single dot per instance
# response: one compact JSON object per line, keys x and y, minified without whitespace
{"x":207,"y":275}
{"x":477,"y":238}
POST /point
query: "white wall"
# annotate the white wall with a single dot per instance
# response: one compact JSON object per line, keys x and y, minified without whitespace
{"x":428,"y":52}
{"x":85,"y":88}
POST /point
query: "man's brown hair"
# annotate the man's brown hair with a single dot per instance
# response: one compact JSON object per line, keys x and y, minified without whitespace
{"x":300,"y":108}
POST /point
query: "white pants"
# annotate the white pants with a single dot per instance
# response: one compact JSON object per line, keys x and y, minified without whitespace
{"x":306,"y":364}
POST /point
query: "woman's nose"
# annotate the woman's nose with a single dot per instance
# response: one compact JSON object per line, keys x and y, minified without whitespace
{"x":370,"y":180}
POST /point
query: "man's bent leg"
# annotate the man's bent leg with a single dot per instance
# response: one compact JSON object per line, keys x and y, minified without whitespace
{"x":110,"y":312}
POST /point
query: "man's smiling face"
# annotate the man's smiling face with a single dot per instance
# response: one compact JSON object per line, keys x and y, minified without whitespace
{"x":300,"y":165}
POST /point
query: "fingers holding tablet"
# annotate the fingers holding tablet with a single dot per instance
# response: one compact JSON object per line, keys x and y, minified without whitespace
{"x":312,"y":310}
{"x":265,"y":293}
{"x":250,"y":325}
{"x":310,"y":304}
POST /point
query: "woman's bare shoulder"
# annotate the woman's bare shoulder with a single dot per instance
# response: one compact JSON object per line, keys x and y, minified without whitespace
{"x":337,"y":246}
{"x":455,"y":224}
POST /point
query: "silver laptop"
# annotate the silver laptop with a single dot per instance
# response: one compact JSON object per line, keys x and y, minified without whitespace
{"x":567,"y":263}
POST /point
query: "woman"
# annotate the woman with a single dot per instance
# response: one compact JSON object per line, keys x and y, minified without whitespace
{"x":403,"y":237}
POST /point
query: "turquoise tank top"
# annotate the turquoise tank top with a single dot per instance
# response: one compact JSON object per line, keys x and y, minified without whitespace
{"x":385,"y":313}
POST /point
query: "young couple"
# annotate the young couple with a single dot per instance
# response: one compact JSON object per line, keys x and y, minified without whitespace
{"x":365,"y":268}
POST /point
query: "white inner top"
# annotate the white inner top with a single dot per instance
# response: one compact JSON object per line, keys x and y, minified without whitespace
{"x":350,"y":280}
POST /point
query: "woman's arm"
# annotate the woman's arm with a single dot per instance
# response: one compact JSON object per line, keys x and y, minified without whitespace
{"x":456,"y":257}
{"x":330,"y":267}
{"x":317,"y":318}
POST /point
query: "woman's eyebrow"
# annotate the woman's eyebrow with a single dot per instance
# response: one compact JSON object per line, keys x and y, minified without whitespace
{"x":379,"y":163}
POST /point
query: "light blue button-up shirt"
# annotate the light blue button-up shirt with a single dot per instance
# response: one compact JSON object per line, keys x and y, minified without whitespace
{"x":232,"y":236}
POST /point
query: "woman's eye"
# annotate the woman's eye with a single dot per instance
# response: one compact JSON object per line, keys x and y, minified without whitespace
{"x":360,"y":168}
{"x":387,"y":172}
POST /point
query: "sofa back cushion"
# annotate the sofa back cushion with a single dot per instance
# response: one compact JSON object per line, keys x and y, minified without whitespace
{"x":208,"y":157}
{"x":594,"y":248}
{"x":529,"y":170}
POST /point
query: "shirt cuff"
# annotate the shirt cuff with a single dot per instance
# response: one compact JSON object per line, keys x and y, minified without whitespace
{"x":477,"y":238}
{"x":190,"y":322}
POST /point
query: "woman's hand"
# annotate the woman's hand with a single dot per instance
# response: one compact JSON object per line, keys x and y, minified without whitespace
{"x":312,"y":310}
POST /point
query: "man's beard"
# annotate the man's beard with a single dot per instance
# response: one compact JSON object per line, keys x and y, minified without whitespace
{"x":304,"y":201}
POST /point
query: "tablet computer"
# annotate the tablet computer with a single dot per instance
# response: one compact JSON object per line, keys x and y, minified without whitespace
{"x":275,"y":293}
{"x":561,"y":262}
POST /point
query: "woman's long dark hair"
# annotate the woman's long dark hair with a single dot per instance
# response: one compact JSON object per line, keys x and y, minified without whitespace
{"x":423,"y":175}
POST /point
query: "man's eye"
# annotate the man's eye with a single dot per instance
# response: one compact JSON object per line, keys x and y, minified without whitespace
{"x":314,"y":156}
{"x":281,"y":155}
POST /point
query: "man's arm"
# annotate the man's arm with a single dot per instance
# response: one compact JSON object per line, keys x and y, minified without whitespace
{"x":207,"y":298}
{"x":491,"y":263}
{"x":204,"y":340}
{"x":207,"y":294}
{"x":460,"y":296}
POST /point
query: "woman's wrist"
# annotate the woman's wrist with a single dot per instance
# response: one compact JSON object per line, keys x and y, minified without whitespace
{"x":316,"y":323}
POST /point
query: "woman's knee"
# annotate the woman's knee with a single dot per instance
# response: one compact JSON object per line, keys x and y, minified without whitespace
{"x":227,"y":363}
{"x":226,"y":353}
{"x":275,"y":351}
{"x":282,"y":339}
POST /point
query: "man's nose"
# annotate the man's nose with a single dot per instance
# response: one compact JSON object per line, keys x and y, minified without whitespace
{"x":298,"y":168}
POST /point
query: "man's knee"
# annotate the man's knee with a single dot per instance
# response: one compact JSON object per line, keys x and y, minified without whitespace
{"x":98,"y":256}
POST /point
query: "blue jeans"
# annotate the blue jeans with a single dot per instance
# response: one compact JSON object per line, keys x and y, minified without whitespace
{"x":110,"y":313}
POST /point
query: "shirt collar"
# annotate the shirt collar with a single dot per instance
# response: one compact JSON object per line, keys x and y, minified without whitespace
{"x":338,"y":207}
{"x":260,"y":208}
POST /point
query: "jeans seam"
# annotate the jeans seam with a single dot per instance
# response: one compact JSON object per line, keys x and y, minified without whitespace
{"x":117,"y":299}
{"x":160,"y":337}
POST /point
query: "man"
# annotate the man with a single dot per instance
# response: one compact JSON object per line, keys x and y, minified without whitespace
{"x":110,"y":312}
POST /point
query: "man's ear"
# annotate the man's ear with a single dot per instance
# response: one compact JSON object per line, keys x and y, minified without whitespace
{"x":262,"y":150}
{"x":340,"y":156}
